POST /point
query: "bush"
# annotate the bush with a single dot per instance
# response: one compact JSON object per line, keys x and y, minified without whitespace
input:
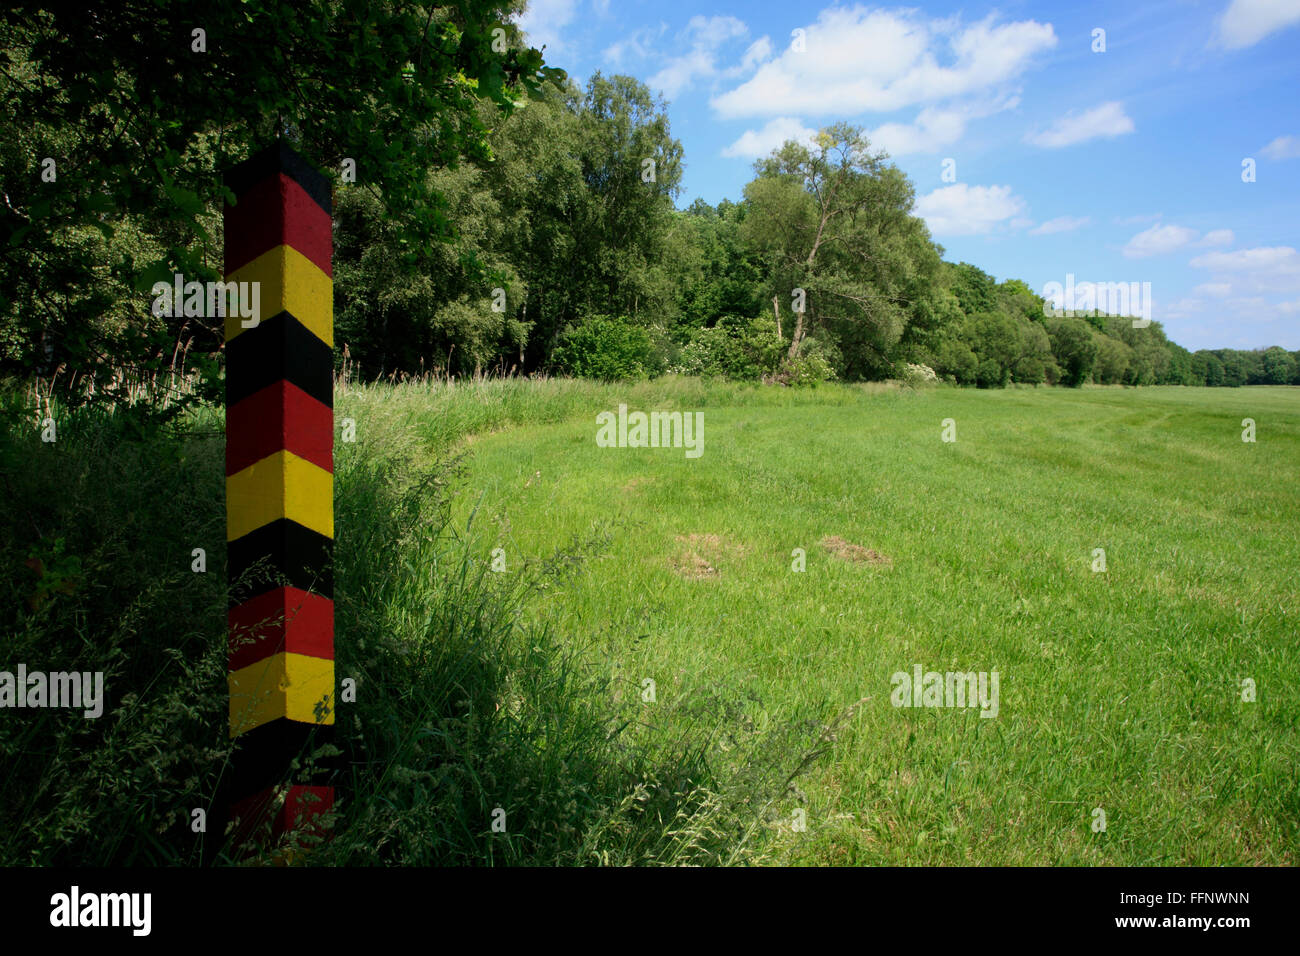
{"x":814,"y":364}
{"x":918,"y":374}
{"x":991,"y":374}
{"x":608,"y":349}
{"x":1030,"y":371}
{"x":737,"y":349}
{"x":95,"y":541}
{"x":957,"y":361}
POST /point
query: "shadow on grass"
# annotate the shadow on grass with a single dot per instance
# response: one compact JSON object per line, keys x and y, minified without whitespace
{"x":474,"y":739}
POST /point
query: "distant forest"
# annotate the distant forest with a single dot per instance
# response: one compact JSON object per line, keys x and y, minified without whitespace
{"x":501,"y":220}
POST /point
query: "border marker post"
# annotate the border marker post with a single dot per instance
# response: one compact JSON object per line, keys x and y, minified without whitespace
{"x":279,"y":485}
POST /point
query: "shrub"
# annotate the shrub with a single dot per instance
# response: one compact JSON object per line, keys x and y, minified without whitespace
{"x":1030,"y":370}
{"x":918,"y":374}
{"x":991,"y":374}
{"x":606,"y":348}
{"x":956,"y":360}
{"x":814,"y":364}
{"x":737,"y":349}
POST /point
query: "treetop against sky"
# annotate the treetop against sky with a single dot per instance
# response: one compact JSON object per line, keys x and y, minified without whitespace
{"x":1108,"y":141}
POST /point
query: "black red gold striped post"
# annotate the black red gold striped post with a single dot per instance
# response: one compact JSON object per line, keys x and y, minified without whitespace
{"x":279,"y":484}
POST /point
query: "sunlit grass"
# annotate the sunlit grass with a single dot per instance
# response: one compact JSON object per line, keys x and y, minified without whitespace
{"x":1119,"y":690}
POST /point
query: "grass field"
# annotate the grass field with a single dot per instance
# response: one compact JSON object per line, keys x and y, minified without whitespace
{"x":1119,"y":691}
{"x":771,"y":735}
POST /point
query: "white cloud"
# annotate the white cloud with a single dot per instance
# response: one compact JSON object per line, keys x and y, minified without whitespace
{"x":964,"y":210}
{"x":1284,"y":147}
{"x":681,"y":70}
{"x":1160,"y":240}
{"x":712,"y":32}
{"x":759,"y":51}
{"x":934,"y":127}
{"x":616,"y":54}
{"x":1215,"y":290}
{"x":1261,"y":270}
{"x":1246,"y":321}
{"x":858,"y":60}
{"x":1107,"y":120}
{"x":1060,"y":224}
{"x":705,"y":35}
{"x":543,"y":20}
{"x":1217,"y":237}
{"x":1157,"y":241}
{"x":755,"y":143}
{"x":1245,"y":22}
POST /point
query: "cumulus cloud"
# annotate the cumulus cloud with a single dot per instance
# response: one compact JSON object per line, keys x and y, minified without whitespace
{"x":759,"y":51}
{"x":965,"y":210}
{"x":935,"y":127}
{"x":1258,"y":271}
{"x":857,"y":60}
{"x":1217,"y":237}
{"x":638,"y":46}
{"x":755,"y":143}
{"x":1158,"y":241}
{"x":1101,"y":122}
{"x":1284,"y":147}
{"x":1245,"y":22}
{"x":1060,"y":224}
{"x":705,"y":36}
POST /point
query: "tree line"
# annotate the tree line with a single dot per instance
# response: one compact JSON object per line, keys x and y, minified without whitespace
{"x":503,"y":220}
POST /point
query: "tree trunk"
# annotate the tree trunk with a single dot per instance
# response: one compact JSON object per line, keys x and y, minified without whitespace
{"x":776,"y":307}
{"x":798,"y":336}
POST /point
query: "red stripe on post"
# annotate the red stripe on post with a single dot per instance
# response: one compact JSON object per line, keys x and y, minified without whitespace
{"x":277,"y":211}
{"x":302,"y":804}
{"x":286,"y":619}
{"x":280,"y":417}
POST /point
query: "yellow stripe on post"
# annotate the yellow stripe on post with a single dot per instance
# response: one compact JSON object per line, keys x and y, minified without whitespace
{"x":288,"y":282}
{"x":281,"y":485}
{"x":288,"y":685}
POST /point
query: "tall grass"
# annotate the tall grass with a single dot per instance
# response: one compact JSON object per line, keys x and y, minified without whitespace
{"x":438,"y":413}
{"x":465,"y":716}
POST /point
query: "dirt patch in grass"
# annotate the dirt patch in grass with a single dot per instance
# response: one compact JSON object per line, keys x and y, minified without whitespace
{"x":848,"y":551}
{"x":691,"y":565}
{"x":636,"y":483}
{"x":702,"y":552}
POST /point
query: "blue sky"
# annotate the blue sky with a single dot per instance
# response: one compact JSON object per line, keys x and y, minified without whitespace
{"x":1122,"y":165}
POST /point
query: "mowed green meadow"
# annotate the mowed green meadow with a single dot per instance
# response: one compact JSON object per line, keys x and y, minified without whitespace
{"x":1120,"y":692}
